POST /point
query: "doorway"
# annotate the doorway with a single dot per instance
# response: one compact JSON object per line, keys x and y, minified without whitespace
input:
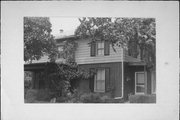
{"x":140,"y":80}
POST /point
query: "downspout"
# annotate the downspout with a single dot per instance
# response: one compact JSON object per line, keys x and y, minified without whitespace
{"x":122,"y":74}
{"x":145,"y":80}
{"x":122,"y":66}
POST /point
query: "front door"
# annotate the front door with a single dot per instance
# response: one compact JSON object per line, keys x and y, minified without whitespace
{"x":140,"y":78}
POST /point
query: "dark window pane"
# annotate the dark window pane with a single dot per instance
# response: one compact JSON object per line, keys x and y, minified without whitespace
{"x":139,"y":88}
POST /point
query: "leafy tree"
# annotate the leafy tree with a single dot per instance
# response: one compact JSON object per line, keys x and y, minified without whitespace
{"x":38,"y":39}
{"x":135,"y":34}
{"x":64,"y":77}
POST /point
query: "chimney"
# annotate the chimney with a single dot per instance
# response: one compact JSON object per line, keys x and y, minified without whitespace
{"x":61,"y":31}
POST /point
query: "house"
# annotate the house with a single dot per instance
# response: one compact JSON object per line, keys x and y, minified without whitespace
{"x":117,"y":74}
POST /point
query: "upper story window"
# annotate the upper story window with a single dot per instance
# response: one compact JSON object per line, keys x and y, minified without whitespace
{"x":100,"y":48}
{"x":60,"y":50}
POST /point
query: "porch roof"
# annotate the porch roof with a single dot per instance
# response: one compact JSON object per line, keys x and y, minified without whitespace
{"x":137,"y":64}
{"x":34,"y":66}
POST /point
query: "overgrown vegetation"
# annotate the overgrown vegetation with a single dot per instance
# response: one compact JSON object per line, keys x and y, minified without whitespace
{"x":64,"y":77}
{"x":142,"y":99}
{"x":138,"y":35}
{"x":38,"y":40}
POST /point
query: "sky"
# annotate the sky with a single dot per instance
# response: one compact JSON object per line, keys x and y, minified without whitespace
{"x":68,"y":24}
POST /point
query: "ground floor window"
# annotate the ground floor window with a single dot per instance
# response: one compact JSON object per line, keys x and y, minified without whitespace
{"x":140,"y":78}
{"x":99,"y":82}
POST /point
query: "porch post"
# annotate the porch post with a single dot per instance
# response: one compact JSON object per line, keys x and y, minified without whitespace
{"x":145,"y":79}
{"x":33,"y":80}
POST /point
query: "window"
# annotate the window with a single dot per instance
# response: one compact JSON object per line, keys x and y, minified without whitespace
{"x":140,"y":78}
{"x":100,"y":48}
{"x":60,"y":50}
{"x":99,"y":82}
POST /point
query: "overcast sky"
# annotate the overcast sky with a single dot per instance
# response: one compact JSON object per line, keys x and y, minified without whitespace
{"x":68,"y":24}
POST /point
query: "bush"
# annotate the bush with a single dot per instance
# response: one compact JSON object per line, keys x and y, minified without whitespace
{"x":38,"y":95}
{"x":142,"y":99}
{"x":91,"y":98}
{"x":78,"y":97}
{"x":64,"y":77}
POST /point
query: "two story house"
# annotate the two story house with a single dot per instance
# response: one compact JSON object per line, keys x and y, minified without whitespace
{"x":116,"y":73}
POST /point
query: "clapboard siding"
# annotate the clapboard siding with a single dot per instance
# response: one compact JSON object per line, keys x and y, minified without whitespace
{"x":115,"y":75}
{"x":82,"y":54}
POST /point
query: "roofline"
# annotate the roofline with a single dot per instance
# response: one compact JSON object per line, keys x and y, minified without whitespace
{"x":137,"y":63}
{"x":67,"y":37}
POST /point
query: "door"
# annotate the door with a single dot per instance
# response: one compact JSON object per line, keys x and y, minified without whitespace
{"x":140,"y":80}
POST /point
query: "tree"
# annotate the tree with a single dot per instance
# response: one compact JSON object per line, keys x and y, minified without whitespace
{"x":38,"y":39}
{"x":135,"y":34}
{"x":64,"y":77}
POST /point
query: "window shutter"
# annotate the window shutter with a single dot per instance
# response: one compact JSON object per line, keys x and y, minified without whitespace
{"x":107,"y":79}
{"x":91,"y":80}
{"x":93,"y":49}
{"x":106,"y":47}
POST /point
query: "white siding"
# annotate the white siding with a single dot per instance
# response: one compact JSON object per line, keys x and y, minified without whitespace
{"x":82,"y":54}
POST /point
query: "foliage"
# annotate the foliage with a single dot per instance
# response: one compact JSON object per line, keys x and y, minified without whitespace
{"x":142,"y":99}
{"x":69,"y":49}
{"x":91,"y":98}
{"x":38,"y":39}
{"x":64,"y":77}
{"x":30,"y":96}
{"x":41,"y":95}
{"x":78,"y":97}
{"x":130,"y":33}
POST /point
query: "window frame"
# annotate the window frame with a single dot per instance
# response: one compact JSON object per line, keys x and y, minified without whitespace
{"x":140,"y":85}
{"x":101,"y":48}
{"x":59,"y":52}
{"x":95,"y":80}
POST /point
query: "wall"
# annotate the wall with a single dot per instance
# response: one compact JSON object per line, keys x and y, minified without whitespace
{"x":82,"y":54}
{"x":130,"y":72}
{"x":115,"y":75}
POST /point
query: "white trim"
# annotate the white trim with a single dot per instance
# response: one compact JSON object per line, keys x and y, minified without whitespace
{"x":122,"y":73}
{"x":118,"y":97}
{"x":95,"y":80}
{"x":122,"y":66}
{"x":144,"y":83}
{"x":153,"y":92}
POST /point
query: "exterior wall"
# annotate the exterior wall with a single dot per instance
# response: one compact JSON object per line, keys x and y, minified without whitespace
{"x":115,"y":76}
{"x":129,"y":73}
{"x":82,"y":54}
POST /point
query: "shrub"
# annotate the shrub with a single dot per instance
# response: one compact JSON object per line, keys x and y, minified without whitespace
{"x":70,"y":97}
{"x":78,"y":97}
{"x":44,"y":95}
{"x":64,"y":77}
{"x":30,"y":96}
{"x":93,"y":98}
{"x":33,"y":95}
{"x":142,"y":99}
